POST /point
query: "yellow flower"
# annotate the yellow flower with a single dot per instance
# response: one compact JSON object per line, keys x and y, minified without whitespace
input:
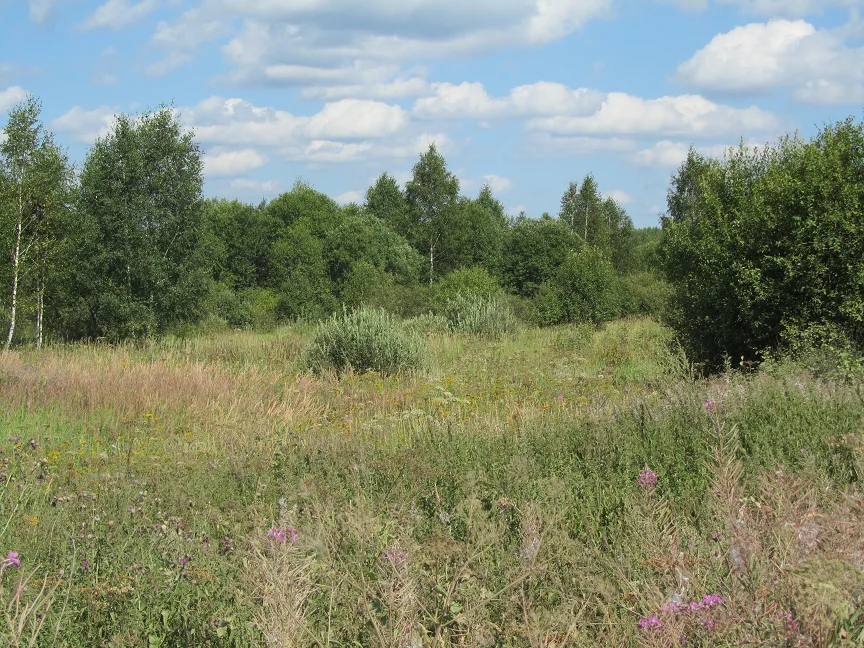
{"x":33,"y":521}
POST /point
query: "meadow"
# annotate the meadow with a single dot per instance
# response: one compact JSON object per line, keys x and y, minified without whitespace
{"x":565,"y":486}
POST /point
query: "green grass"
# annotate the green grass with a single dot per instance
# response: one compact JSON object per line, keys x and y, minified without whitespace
{"x":504,"y":472}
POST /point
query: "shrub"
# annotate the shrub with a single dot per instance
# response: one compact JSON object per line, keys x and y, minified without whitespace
{"x":476,"y":281}
{"x":641,"y":294}
{"x":427,"y":324}
{"x":487,"y":316}
{"x":365,"y":340}
{"x":580,"y":292}
{"x":766,"y":248}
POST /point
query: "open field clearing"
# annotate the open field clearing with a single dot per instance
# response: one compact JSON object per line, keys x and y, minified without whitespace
{"x":557,"y":487}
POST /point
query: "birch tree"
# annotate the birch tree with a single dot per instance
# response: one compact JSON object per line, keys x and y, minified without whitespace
{"x":34,"y":171}
{"x":432,"y":195}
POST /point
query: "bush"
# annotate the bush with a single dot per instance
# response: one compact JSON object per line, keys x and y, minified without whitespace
{"x":427,"y":324}
{"x":641,"y":294}
{"x":766,"y":248}
{"x":580,"y":292}
{"x":364,"y":340}
{"x":488,"y":316}
{"x":476,"y":281}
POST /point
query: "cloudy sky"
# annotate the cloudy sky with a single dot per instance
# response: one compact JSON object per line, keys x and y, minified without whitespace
{"x":526,"y":95}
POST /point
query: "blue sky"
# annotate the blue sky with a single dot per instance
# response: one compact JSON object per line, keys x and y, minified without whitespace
{"x":527,"y":95}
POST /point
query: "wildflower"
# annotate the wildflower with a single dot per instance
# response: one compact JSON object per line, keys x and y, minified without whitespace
{"x":277,"y":534}
{"x":647,"y":479}
{"x":84,"y":565}
{"x":650,"y":622}
{"x":710,"y":600}
{"x":709,"y":404}
{"x":12,"y":559}
{"x":395,"y":558}
{"x":185,"y":560}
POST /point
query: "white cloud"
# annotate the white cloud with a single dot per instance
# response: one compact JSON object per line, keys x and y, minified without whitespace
{"x":397,"y":88}
{"x":235,"y":121}
{"x":497,"y":184}
{"x":85,"y":125}
{"x":267,"y":187}
{"x":668,"y":154}
{"x":351,"y":197}
{"x":41,"y":10}
{"x":694,"y":115}
{"x":221,"y":162}
{"x":280,"y":40}
{"x":619,"y":196}
{"x":548,"y":145}
{"x":754,"y":58}
{"x":118,"y":14}
{"x":11,"y":96}
{"x":470,"y":100}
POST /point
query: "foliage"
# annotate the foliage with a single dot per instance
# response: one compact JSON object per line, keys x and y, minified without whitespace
{"x":386,"y":200}
{"x":765,"y":247}
{"x":431,"y":196}
{"x":644,"y":293}
{"x":137,"y":269}
{"x":35,"y":190}
{"x":477,"y":280}
{"x":364,"y":340}
{"x":489,"y":316}
{"x":533,"y":251}
{"x":581,"y":291}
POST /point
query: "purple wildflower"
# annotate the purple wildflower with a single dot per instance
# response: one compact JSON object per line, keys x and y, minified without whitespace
{"x":277,"y":534}
{"x":647,"y":479}
{"x":650,"y":622}
{"x":395,"y":558}
{"x":12,"y":559}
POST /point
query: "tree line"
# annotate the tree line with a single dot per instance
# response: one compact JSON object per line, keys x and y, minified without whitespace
{"x":760,"y":251}
{"x":126,"y":247}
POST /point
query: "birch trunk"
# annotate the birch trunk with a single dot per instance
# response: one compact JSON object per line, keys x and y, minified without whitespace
{"x":16,"y":263}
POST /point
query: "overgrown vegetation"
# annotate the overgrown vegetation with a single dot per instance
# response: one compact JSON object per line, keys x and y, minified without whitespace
{"x":573,"y":486}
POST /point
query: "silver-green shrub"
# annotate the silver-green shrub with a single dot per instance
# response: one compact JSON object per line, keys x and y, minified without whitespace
{"x":489,"y":316}
{"x":366,"y":339}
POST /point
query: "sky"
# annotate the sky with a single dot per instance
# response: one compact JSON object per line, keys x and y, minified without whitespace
{"x":525,"y":95}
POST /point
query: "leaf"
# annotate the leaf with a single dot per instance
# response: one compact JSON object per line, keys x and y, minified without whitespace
{"x":222,"y":631}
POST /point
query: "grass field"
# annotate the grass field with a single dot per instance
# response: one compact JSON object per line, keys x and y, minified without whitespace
{"x":557,"y":487}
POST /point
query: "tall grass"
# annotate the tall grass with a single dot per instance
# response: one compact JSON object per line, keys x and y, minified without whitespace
{"x":490,"y":498}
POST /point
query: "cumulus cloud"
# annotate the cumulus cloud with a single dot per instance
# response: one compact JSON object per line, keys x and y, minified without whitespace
{"x":754,"y":58}
{"x":119,"y":14}
{"x":267,"y":187}
{"x":541,"y":98}
{"x":236,"y":121}
{"x":669,"y":154}
{"x":11,"y":96}
{"x":85,"y":125}
{"x":621,"y":113}
{"x":221,"y":162}
{"x":498,"y":184}
{"x":619,"y":196}
{"x":350,"y":197}
{"x":319,"y":40}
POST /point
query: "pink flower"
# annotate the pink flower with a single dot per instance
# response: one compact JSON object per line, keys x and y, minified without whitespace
{"x":12,"y":559}
{"x":650,"y":622}
{"x":709,"y":404}
{"x":647,"y":479}
{"x":277,"y":534}
{"x":395,"y":558}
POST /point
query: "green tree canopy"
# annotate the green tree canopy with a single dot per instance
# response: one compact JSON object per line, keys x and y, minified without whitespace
{"x":138,"y":271}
